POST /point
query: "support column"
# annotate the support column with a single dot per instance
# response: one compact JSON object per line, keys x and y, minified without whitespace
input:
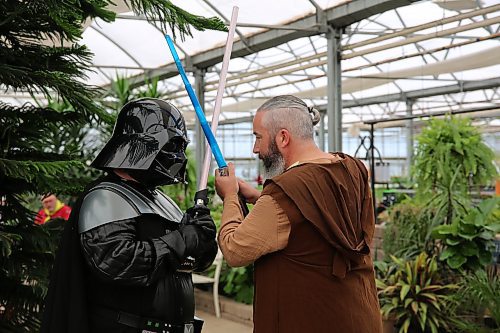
{"x":321,"y":132}
{"x":199,"y":88}
{"x":334,"y":91}
{"x":409,"y":135}
{"x":372,"y":168}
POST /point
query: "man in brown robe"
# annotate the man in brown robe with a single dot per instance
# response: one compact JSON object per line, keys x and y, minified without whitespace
{"x":308,"y":232}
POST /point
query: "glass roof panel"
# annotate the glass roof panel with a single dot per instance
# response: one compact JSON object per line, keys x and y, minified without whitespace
{"x":399,"y":60}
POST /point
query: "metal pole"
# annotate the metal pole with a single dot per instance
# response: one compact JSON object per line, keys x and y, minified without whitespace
{"x":199,"y":87}
{"x":372,"y":168}
{"x":334,"y":92}
{"x":321,"y":132}
{"x":409,"y":135}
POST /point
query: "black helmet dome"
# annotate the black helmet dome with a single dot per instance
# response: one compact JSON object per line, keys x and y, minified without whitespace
{"x":149,"y":141}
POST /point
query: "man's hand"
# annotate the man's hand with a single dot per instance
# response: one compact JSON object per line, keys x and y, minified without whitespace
{"x":250,"y":193}
{"x":226,"y":185}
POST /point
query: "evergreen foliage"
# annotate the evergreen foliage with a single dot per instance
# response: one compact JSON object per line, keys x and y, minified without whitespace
{"x":451,"y":157}
{"x":41,"y":145}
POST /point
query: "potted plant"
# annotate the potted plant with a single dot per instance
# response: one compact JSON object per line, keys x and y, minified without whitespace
{"x":410,"y":292}
{"x":468,"y":241}
{"x":478,"y":303}
{"x":408,"y":230}
{"x":450,"y":159}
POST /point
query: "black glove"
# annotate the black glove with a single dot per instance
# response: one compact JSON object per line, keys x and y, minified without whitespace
{"x":192,"y":237}
{"x":200,"y":215}
{"x":198,"y":231}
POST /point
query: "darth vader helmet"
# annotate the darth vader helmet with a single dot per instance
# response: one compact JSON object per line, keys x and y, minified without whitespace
{"x":149,"y":142}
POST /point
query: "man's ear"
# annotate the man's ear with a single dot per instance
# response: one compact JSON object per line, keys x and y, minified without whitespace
{"x":283,"y":138}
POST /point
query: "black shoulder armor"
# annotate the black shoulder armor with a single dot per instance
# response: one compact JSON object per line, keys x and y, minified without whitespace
{"x":110,"y":202}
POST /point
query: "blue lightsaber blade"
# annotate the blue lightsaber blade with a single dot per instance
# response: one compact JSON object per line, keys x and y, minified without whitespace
{"x":197,"y":107}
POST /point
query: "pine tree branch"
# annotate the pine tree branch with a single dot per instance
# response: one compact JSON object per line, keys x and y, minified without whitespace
{"x":37,"y":20}
{"x":29,"y":114}
{"x":174,"y":17}
{"x":28,"y":170}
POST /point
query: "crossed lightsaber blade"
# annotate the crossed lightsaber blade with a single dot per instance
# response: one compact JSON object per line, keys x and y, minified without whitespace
{"x":212,"y":146}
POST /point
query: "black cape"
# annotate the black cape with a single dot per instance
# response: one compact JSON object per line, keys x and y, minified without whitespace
{"x":66,"y":302}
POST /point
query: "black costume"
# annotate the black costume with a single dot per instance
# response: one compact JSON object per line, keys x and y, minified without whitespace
{"x":136,"y":243}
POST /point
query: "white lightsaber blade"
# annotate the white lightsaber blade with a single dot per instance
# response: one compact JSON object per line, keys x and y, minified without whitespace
{"x":218,"y":99}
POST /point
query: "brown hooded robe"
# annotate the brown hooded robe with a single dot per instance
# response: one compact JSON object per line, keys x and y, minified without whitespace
{"x":323,"y":280}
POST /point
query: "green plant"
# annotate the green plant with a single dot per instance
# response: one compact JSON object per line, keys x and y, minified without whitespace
{"x":151,"y":88}
{"x":478,"y":303}
{"x":408,"y":230}
{"x":237,"y":283}
{"x":411,"y":292}
{"x":451,"y":144}
{"x":468,"y":241}
{"x":450,"y":157}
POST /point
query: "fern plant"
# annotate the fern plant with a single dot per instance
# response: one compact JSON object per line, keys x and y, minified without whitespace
{"x":477,"y":307}
{"x":450,"y":158}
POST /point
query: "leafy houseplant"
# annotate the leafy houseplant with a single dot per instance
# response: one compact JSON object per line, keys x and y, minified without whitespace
{"x":238,"y":283}
{"x":469,"y":239}
{"x":450,"y":157}
{"x":478,"y":303}
{"x":408,"y":231}
{"x":411,"y":293}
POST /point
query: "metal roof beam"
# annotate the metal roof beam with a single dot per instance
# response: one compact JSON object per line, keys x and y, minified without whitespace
{"x":339,"y":16}
{"x":422,"y":93}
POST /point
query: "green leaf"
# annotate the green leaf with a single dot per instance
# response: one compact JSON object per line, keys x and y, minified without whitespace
{"x":485,"y":257}
{"x":408,"y":302}
{"x":487,"y":206}
{"x":442,"y":231}
{"x":404,"y":328}
{"x":495,"y":228}
{"x":433,"y":327}
{"x":465,"y":230}
{"x":404,"y":291}
{"x":456,"y":261}
{"x":452,"y":241}
{"x":469,"y":249}
{"x":414,"y":307}
{"x":423,"y":315}
{"x":487,"y":234}
{"x":448,"y":252}
{"x":429,"y":295}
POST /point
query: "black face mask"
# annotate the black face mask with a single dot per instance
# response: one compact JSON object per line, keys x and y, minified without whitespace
{"x":169,"y":166}
{"x":149,"y":141}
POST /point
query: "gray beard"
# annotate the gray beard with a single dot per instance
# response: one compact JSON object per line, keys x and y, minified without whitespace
{"x":275,"y":169}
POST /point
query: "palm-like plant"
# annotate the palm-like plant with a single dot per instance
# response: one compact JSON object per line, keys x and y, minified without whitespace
{"x":478,"y":303}
{"x":411,"y":293}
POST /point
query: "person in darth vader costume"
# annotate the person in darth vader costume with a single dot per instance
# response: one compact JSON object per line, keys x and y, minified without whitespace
{"x":125,"y":259}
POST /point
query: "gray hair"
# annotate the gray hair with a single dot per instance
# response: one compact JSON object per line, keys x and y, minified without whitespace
{"x":291,"y":113}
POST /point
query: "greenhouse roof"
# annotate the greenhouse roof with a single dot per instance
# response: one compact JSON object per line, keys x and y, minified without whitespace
{"x":433,"y":55}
